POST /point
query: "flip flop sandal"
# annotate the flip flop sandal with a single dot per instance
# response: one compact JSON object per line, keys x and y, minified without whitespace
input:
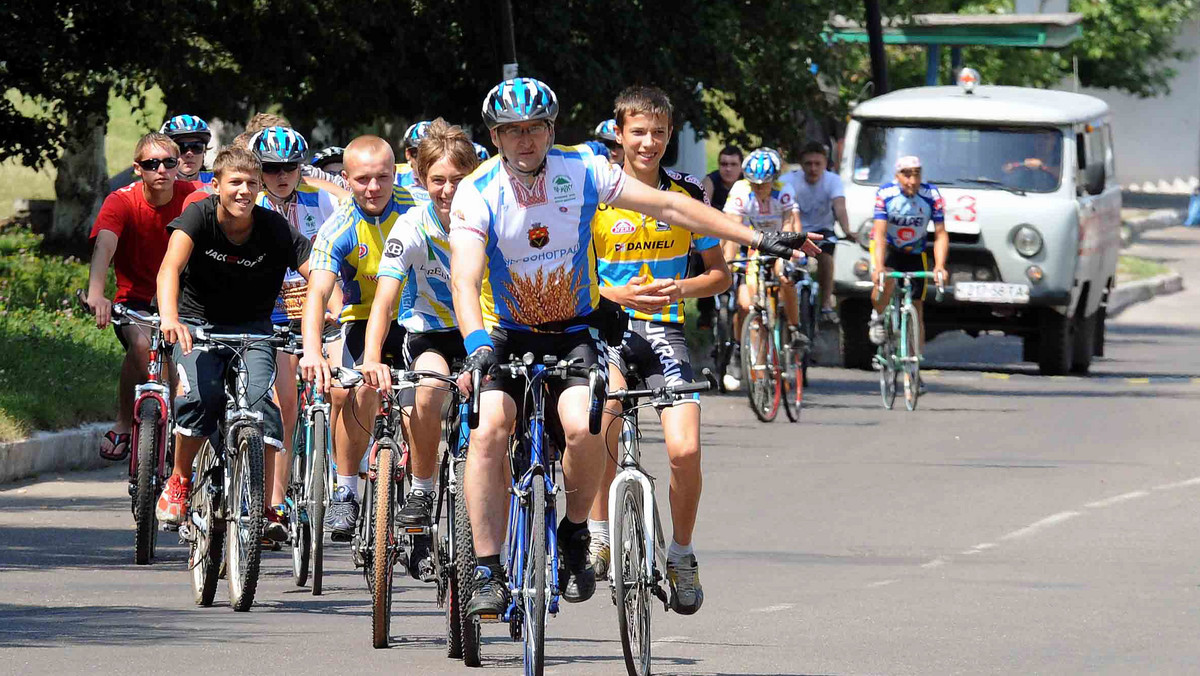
{"x":118,"y":441}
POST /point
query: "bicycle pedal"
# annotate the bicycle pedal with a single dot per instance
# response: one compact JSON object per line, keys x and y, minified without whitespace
{"x":488,"y":618}
{"x":416,"y":530}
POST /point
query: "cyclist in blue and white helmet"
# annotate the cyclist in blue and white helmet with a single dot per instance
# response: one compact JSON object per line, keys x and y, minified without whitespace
{"x":606,"y":132}
{"x":481,"y":152}
{"x":192,"y":135}
{"x":762,"y":166}
{"x":406,"y":174}
{"x":328,"y":159}
{"x":522,"y":112}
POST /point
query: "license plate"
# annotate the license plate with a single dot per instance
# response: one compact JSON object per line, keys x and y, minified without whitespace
{"x":991,"y":292}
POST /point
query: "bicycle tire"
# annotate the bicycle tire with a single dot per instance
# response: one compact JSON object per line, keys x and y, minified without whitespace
{"x":535,"y":581}
{"x":630,"y":589}
{"x":810,"y":325}
{"x":318,"y":482}
{"x":148,"y":440}
{"x":912,"y":366}
{"x":887,"y":367}
{"x":464,"y":570}
{"x":792,"y":375}
{"x":364,"y":539}
{"x":207,"y":571}
{"x":383,"y":544}
{"x":299,"y":530}
{"x":244,"y":549}
{"x":762,"y":386}
{"x":722,"y":341}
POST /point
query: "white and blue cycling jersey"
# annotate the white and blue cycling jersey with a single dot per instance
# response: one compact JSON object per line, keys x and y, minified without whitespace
{"x":406,"y":177}
{"x":908,"y":217}
{"x":417,"y":253}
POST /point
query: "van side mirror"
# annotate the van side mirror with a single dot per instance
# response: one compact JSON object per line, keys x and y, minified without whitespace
{"x":1093,"y":178}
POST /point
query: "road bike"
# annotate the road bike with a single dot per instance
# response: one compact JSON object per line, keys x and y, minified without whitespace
{"x":900,"y":354}
{"x":808,"y":296}
{"x":638,"y":570}
{"x":532,"y":561}
{"x":152,"y":447}
{"x":226,"y":510}
{"x":772,"y":354}
{"x":723,"y":338}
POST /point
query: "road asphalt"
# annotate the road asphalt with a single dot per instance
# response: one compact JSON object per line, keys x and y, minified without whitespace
{"x":1012,"y":524}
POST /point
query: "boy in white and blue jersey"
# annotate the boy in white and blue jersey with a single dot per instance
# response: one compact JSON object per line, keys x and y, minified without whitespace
{"x":904,"y":208}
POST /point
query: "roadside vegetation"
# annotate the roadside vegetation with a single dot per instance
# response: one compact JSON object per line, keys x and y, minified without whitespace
{"x":1132,"y":268}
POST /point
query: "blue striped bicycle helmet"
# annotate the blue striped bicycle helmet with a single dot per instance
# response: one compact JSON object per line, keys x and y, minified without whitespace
{"x":522,"y":99}
{"x":606,"y":131}
{"x":416,"y":132}
{"x":279,"y":144}
{"x":327,"y":156}
{"x":762,"y":166}
{"x":481,"y":152}
{"x":186,"y":125}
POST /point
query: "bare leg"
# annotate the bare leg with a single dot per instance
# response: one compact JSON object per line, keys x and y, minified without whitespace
{"x":425,"y":421}
{"x":285,"y":396}
{"x":825,"y":279}
{"x":611,"y":426}
{"x":681,"y":428}
{"x":583,"y":466}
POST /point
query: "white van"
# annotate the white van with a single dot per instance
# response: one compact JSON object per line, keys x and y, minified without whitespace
{"x":1032,"y":210}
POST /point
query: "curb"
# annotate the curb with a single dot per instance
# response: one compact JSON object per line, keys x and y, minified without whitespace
{"x":53,"y":452}
{"x":1160,"y":218}
{"x":1143,"y":290}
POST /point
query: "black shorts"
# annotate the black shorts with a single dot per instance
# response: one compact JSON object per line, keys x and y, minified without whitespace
{"x":657,"y":351}
{"x":829,"y":244}
{"x":584,"y":347}
{"x":125,"y":332}
{"x":901,"y":261}
{"x":448,"y":344}
{"x":354,"y":335}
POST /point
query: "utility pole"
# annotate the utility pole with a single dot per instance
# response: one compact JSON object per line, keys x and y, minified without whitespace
{"x":508,"y":41}
{"x":878,"y":57}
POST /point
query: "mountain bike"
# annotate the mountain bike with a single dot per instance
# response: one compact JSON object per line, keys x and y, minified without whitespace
{"x":226,"y":509}
{"x":772,"y":357}
{"x":723,"y":338}
{"x":901,"y":356}
{"x":638,"y":570}
{"x":532,"y":561}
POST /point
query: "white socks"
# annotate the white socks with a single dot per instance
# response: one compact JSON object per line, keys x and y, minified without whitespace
{"x":350,"y":482}
{"x":599,"y":531}
{"x":676,"y":551}
{"x":423,"y":485}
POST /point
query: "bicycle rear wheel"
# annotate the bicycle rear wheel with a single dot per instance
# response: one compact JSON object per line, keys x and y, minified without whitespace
{"x":317,"y":479}
{"x":148,"y":441}
{"x":792,"y":372}
{"x":722,"y":340}
{"x":911,"y":359}
{"x":383,"y":544}
{"x":759,"y":367}
{"x":205,"y":550}
{"x":464,"y":570}
{"x":630,"y":588}
{"x":535,"y":596}
{"x":246,"y":510}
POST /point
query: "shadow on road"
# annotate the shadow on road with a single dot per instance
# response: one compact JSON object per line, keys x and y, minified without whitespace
{"x":40,"y":626}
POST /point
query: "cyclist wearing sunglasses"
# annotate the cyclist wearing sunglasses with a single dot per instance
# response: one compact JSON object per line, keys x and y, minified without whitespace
{"x":281,"y":151}
{"x":192,"y":135}
{"x":130,"y":232}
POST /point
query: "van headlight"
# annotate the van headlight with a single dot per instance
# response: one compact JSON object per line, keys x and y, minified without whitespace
{"x":1027,"y":240}
{"x":864,"y":233}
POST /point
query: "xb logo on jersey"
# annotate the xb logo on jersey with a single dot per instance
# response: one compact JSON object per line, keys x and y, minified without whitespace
{"x":539,"y":236}
{"x":564,"y":189}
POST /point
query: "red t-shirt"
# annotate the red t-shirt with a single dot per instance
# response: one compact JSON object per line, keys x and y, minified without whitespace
{"x":142,"y":233}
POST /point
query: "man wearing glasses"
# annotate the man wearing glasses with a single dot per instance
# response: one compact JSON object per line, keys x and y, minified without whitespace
{"x":192,"y":135}
{"x":131,"y":233}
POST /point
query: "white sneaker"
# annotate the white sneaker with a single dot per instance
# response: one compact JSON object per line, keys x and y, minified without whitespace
{"x":730,"y":382}
{"x":875,"y":329}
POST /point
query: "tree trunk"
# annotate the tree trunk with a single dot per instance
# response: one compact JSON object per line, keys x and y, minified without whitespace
{"x":82,"y":182}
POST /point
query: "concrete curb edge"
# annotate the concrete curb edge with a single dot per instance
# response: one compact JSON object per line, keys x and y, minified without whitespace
{"x":53,"y":452}
{"x":1125,"y":295}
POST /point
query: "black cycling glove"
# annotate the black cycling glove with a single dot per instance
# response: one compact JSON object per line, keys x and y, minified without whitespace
{"x":483,"y":359}
{"x":780,"y":244}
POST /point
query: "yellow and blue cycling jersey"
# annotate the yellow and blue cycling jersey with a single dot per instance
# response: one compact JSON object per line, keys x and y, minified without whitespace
{"x":540,"y":267}
{"x":406,"y":177}
{"x":350,"y":245}
{"x":306,"y":210}
{"x":417,"y":253}
{"x":629,"y":244}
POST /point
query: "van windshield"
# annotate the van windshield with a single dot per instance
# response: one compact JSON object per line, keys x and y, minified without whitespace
{"x":984,"y":158}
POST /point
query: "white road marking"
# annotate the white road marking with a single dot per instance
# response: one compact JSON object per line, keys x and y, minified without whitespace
{"x":1107,"y":502}
{"x":936,"y":563}
{"x":1179,"y":484}
{"x":775,"y":608}
{"x":673,"y":639}
{"x":1052,"y":520}
{"x":882,"y":583}
{"x":979,"y":548}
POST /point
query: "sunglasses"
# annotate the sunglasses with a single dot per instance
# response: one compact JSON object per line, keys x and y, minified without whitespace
{"x":152,"y":163}
{"x":286,"y":168}
{"x":193,"y":147}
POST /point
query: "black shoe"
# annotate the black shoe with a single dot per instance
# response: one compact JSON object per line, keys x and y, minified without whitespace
{"x":342,"y":517}
{"x":420,"y":560}
{"x":417,"y":507}
{"x":491,"y":597}
{"x":575,"y":576}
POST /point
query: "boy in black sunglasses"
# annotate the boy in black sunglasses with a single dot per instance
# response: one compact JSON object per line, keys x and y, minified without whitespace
{"x":131,"y":233}
{"x":192,"y":135}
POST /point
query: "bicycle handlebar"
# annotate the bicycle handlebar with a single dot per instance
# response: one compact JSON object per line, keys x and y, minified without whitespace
{"x":553,"y":368}
{"x":919,"y":274}
{"x":668,"y":394}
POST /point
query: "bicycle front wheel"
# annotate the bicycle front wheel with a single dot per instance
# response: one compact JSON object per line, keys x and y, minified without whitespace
{"x":246,"y":517}
{"x":383,"y":544}
{"x":317,"y":479}
{"x":148,"y":441}
{"x":759,"y":367}
{"x":207,"y":546}
{"x":887,"y":368}
{"x":630,"y":588}
{"x":911,"y":356}
{"x":722,"y":340}
{"x":535,"y":595}
{"x":792,"y":372}
{"x":463,"y":571}
{"x":299,"y":530}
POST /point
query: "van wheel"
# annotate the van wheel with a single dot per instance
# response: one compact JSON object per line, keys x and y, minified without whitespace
{"x":1085,"y":343}
{"x":1056,"y":344}
{"x":1030,"y":349}
{"x":858,"y":352}
{"x":1101,"y":321}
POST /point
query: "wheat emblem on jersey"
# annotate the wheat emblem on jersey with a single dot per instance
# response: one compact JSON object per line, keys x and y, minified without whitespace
{"x":537,"y":298}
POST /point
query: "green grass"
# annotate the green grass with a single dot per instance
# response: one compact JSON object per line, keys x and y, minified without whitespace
{"x":57,"y":369}
{"x":125,"y":127}
{"x":1132,"y":268}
